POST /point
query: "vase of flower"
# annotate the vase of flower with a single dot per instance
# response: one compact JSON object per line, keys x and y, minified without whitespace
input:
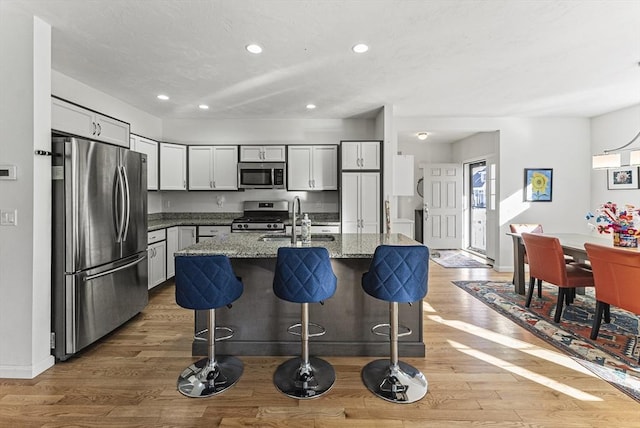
{"x":621,"y":223}
{"x":622,"y":239}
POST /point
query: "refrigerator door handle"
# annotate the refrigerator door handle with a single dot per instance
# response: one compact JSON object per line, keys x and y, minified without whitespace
{"x":127,"y":207}
{"x":110,"y":271}
{"x":121,"y":206}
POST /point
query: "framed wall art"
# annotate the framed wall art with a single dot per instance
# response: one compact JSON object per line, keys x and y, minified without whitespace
{"x":538,"y":183}
{"x":622,"y":178}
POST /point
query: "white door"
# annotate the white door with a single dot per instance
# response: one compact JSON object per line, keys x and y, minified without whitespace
{"x":350,"y":204}
{"x":225,"y":167}
{"x":200,"y":168}
{"x":173,"y":245}
{"x":299,"y":168}
{"x":369,"y":202}
{"x":173,"y":167}
{"x":370,"y":155}
{"x":325,"y":168}
{"x":442,"y":205}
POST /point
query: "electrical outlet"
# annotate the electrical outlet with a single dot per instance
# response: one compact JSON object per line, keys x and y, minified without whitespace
{"x":8,"y":217}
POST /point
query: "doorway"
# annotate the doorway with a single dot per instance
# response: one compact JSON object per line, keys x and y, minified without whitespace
{"x":477,"y":203}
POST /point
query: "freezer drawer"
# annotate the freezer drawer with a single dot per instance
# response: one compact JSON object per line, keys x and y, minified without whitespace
{"x":97,"y":301}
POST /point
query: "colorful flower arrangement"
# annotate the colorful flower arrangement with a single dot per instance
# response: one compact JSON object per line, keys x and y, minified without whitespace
{"x":608,"y":219}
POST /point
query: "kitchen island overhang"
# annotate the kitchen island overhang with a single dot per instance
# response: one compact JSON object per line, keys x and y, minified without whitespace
{"x":260,"y":319}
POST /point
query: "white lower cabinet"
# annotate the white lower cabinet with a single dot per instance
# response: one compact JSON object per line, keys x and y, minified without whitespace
{"x":361,"y":202}
{"x":157,"y":263}
{"x":178,"y":237}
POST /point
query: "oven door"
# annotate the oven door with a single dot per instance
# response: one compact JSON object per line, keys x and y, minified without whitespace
{"x":256,"y":175}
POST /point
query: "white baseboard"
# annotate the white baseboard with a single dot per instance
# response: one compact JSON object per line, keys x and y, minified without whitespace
{"x":27,"y":372}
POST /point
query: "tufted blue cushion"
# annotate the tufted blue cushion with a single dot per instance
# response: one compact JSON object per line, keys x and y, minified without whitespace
{"x":205,"y":282}
{"x":304,"y":275}
{"x":398,"y":273}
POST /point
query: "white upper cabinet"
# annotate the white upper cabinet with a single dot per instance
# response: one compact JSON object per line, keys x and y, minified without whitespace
{"x":262,"y":153}
{"x":312,"y":167}
{"x":173,"y":167}
{"x":213,"y":167}
{"x":72,"y":119}
{"x":361,"y":155}
{"x":149,"y":148}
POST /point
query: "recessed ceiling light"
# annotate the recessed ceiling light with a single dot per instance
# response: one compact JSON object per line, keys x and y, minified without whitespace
{"x":163,"y":97}
{"x":360,"y":48}
{"x":422,"y":135}
{"x":253,"y":48}
{"x":203,"y":107}
{"x":311,"y":106}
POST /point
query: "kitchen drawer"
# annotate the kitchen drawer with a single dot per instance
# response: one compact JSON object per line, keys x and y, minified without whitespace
{"x":213,"y":230}
{"x":325,"y":229}
{"x":316,"y":229}
{"x":156,"y":235}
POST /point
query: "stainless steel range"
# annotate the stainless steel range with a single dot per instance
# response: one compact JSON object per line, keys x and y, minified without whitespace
{"x":261,"y":216}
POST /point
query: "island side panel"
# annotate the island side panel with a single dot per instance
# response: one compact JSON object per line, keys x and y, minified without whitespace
{"x":260,"y":319}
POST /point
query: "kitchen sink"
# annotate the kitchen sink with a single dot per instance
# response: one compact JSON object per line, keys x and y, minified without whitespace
{"x":285,"y":238}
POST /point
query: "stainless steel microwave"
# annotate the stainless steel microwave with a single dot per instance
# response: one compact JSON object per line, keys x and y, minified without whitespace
{"x":261,"y":175}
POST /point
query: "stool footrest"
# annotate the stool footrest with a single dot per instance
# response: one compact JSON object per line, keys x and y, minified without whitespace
{"x":375,"y":330}
{"x":291,"y":329}
{"x":199,"y":335}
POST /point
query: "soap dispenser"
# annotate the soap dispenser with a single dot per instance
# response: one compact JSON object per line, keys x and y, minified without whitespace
{"x":305,"y":229}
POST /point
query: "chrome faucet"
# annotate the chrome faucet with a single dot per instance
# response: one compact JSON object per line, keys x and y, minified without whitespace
{"x":295,"y":210}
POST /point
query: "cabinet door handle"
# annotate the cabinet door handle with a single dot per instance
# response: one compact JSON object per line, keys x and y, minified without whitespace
{"x":211,"y":184}
{"x":94,"y":128}
{"x":184,"y":183}
{"x":99,"y":128}
{"x":214,"y":184}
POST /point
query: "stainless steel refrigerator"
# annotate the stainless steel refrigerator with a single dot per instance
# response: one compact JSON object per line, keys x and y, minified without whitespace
{"x":99,"y":272}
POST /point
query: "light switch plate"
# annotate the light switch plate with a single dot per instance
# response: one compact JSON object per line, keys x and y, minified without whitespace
{"x":8,"y":217}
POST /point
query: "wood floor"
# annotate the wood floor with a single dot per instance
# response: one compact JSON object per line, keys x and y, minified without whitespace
{"x":482,"y":369}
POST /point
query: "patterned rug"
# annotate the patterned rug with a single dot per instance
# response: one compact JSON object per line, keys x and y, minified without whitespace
{"x":455,"y":259}
{"x":613,"y":356}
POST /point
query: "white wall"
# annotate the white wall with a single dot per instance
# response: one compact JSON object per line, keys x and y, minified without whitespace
{"x":559,"y":143}
{"x":25,"y":252}
{"x":607,"y":132}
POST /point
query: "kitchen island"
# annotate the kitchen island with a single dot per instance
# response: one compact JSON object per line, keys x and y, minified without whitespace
{"x":260,"y":319}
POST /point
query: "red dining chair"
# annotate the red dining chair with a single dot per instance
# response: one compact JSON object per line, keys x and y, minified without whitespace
{"x":527,"y":228}
{"x":547,"y":263}
{"x":533,"y":228}
{"x":617,"y":279}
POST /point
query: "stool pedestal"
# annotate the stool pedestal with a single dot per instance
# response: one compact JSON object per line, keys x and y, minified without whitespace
{"x":394,"y":380}
{"x":304,"y":376}
{"x":210,"y":376}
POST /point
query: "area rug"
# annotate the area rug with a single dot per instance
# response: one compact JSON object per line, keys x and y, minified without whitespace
{"x":455,"y":259}
{"x":613,"y":356}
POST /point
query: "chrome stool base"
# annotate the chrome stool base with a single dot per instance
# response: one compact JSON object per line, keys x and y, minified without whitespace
{"x":295,"y":380}
{"x":201,"y":379}
{"x":400,"y":384}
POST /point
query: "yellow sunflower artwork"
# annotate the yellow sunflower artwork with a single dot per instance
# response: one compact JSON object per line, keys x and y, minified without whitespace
{"x":538,"y":184}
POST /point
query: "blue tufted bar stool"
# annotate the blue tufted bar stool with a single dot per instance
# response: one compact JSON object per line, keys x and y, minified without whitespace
{"x":208,"y":283}
{"x":304,"y":275}
{"x":398,"y":274}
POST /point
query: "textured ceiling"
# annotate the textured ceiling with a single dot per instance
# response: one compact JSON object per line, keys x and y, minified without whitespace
{"x":426,"y":58}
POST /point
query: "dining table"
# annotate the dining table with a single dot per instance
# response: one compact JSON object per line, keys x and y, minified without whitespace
{"x":572,"y":245}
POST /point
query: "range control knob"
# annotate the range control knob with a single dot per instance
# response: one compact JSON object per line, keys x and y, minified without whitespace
{"x":246,"y":226}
